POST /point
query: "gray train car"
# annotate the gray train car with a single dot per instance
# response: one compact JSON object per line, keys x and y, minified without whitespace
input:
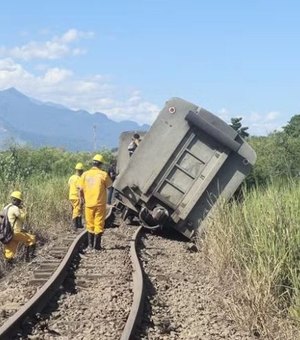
{"x":187,"y":161}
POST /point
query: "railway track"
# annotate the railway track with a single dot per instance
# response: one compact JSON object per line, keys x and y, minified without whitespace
{"x":107,"y":295}
{"x":182,"y":300}
{"x":82,"y":294}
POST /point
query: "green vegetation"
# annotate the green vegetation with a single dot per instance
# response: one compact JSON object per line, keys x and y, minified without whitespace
{"x":20,"y":163}
{"x":254,"y":244}
{"x":236,"y":124}
{"x":41,"y":175}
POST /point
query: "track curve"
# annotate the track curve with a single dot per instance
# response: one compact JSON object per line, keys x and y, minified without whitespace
{"x":138,"y":290}
{"x":42,"y":296}
{"x":49,"y":288}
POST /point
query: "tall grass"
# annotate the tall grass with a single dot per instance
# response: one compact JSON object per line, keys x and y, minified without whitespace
{"x":256,"y":244}
{"x":46,"y":202}
{"x":45,"y":199}
{"x":42,"y":175}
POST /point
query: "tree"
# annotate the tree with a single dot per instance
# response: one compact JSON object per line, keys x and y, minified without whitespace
{"x":293,"y":127}
{"x":237,"y":126}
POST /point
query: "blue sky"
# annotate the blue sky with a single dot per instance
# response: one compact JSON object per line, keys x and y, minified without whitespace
{"x":126,"y":58}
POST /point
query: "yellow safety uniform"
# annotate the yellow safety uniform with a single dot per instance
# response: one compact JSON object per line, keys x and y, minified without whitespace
{"x":74,"y":198}
{"x":16,"y":218}
{"x":93,"y":184}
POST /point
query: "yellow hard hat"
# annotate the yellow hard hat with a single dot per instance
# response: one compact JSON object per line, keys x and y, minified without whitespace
{"x":98,"y":158}
{"x":16,"y":194}
{"x":79,"y":166}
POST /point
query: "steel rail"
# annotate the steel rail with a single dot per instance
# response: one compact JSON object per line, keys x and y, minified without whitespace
{"x":136,"y":311}
{"x":43,"y":295}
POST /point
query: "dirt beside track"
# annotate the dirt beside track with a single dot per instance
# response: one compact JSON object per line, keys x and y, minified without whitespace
{"x":182,"y":300}
{"x":16,"y":289}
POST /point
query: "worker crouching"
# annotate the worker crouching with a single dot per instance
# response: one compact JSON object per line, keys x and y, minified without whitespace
{"x":93,"y":186}
{"x":74,"y":196}
{"x":16,"y":215}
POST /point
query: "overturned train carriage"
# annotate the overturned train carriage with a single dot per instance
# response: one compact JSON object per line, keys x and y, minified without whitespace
{"x":187,"y":161}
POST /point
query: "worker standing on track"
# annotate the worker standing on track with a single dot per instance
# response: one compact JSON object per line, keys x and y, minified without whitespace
{"x":74,"y":196}
{"x":93,"y":186}
{"x":16,"y":215}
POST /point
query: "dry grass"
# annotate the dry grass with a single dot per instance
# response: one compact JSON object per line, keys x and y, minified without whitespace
{"x":254,"y":246}
{"x":47,"y":205}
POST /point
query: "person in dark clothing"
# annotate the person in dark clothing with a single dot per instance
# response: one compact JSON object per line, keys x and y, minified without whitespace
{"x":112,"y":172}
{"x":135,"y":141}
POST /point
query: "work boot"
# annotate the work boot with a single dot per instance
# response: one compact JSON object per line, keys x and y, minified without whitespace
{"x":79,"y":222}
{"x":90,"y":240}
{"x":75,"y":223}
{"x":32,"y":250}
{"x":27,"y":254}
{"x":97,"y":242}
{"x":30,"y":253}
{"x":9,"y":264}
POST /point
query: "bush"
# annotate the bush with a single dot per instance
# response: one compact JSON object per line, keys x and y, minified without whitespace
{"x":21,"y":163}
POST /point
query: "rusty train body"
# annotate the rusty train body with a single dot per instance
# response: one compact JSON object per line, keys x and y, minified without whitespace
{"x":188,"y":161}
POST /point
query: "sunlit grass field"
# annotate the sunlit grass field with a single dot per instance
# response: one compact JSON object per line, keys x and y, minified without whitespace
{"x":42,"y":177}
{"x":46,"y":202}
{"x":255,"y":244}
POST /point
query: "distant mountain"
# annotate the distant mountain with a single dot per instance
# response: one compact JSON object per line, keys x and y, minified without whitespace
{"x":33,"y":122}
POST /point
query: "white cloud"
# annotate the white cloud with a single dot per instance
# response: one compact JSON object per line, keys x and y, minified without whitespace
{"x":254,"y":117}
{"x":73,"y":35}
{"x":69,"y":36}
{"x":55,"y":48}
{"x":11,"y":73}
{"x":98,"y":93}
{"x":140,"y":111}
{"x":62,"y":86}
{"x":271,"y":116}
{"x":56,"y":75}
{"x":263,"y":124}
{"x":224,"y":115}
{"x":258,"y":123}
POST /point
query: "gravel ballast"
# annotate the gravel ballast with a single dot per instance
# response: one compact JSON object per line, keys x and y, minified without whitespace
{"x":182,"y":302}
{"x":96,"y":301}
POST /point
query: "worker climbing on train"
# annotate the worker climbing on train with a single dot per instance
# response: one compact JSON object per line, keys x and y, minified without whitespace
{"x":74,"y":196}
{"x":93,"y":186}
{"x":16,"y":214}
{"x":135,"y":141}
{"x":112,"y":171}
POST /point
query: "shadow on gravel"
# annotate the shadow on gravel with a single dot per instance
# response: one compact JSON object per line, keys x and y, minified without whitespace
{"x":169,"y":234}
{"x":117,"y":247}
{"x":40,"y":320}
{"x":166,"y":232}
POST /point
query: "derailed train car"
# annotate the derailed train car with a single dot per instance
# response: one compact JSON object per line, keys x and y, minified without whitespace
{"x":187,"y":161}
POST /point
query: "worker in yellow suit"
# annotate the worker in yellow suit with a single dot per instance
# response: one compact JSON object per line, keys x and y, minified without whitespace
{"x":93,"y":186}
{"x":16,"y":214}
{"x":74,"y":196}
